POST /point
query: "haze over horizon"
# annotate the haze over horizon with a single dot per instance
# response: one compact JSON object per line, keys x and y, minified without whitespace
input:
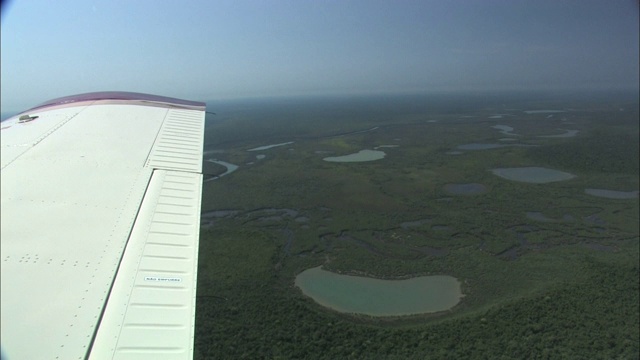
{"x":227,"y":49}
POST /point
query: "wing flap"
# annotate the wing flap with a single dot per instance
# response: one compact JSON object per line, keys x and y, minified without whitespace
{"x":152,"y":305}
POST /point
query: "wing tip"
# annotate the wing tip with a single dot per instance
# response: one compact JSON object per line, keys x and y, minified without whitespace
{"x":120,"y":96}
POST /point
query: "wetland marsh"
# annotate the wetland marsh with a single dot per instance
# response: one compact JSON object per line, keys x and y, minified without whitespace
{"x":531,"y":233}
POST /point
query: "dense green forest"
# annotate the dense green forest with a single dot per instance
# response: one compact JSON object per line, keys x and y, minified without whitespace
{"x":255,"y":315}
{"x":617,"y":152}
{"x":547,"y":270}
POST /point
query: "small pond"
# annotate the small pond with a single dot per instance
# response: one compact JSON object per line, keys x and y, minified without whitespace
{"x":375,"y":297}
{"x":566,"y":134}
{"x":505,"y":129}
{"x":612,"y":194}
{"x":362,"y":155}
{"x":536,"y":175}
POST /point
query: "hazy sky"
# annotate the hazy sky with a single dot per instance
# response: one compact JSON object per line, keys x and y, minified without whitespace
{"x":205,"y":50}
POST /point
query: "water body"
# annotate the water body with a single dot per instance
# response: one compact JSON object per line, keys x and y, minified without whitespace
{"x":567,"y":133}
{"x":230,"y":168}
{"x":612,"y":194}
{"x":536,"y":175}
{"x":267,"y":147}
{"x":386,"y":146}
{"x":362,"y":155}
{"x":375,"y":297}
{"x":507,"y":130}
{"x":261,"y":156}
{"x":465,"y":189}
{"x":543,"y":111}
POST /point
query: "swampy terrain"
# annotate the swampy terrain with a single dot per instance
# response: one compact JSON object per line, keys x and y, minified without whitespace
{"x":546,"y":255}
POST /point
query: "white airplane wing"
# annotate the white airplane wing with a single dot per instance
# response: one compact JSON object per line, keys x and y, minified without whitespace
{"x":100,"y":222}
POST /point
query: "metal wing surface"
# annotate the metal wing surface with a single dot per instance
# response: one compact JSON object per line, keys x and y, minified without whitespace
{"x":99,"y":231}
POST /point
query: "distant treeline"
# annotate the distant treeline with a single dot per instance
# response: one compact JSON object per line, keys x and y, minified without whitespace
{"x":602,"y":150}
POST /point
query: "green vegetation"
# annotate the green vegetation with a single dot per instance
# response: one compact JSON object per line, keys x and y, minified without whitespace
{"x":564,"y":288}
{"x":617,"y":152}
